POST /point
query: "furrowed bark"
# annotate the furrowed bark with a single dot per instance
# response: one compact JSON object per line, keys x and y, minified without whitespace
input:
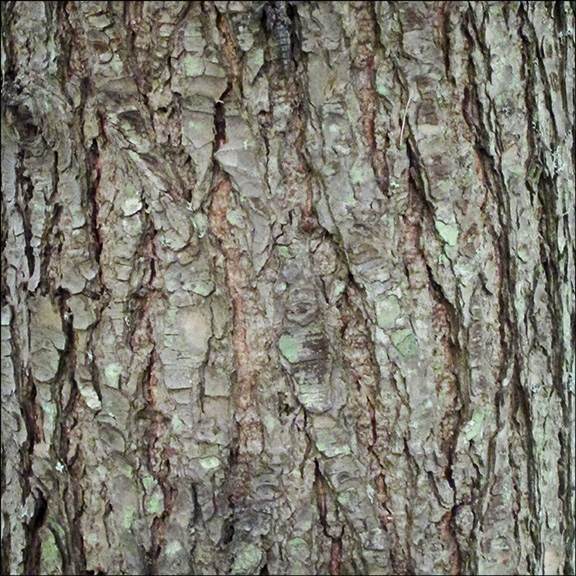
{"x":288,"y":287}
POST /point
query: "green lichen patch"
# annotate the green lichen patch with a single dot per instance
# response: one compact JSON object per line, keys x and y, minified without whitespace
{"x":148,"y":482}
{"x":298,"y":546}
{"x":234,"y":216}
{"x":339,"y":286}
{"x":128,"y":517}
{"x":284,"y":251}
{"x":177,"y":424}
{"x":131,"y":201}
{"x":126,"y":469}
{"x":474,"y":425}
{"x":254,"y":61}
{"x":203,"y":288}
{"x":193,"y":65}
{"x":448,"y":232}
{"x":387,"y":310}
{"x":247,"y":560}
{"x":331,"y":444}
{"x":357,"y":174}
{"x":173,"y":548}
{"x":51,"y":559}
{"x":290,"y":347}
{"x":131,"y":206}
{"x":349,"y":499}
{"x":209,"y":463}
{"x":112,"y":373}
{"x":314,"y":397}
{"x":405,"y":342}
{"x":90,"y":396}
{"x":156,"y":503}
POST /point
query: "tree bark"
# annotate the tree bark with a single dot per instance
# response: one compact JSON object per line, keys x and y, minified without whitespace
{"x":288,"y":288}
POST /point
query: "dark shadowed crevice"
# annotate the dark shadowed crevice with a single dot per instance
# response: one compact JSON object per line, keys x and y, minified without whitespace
{"x":32,"y":552}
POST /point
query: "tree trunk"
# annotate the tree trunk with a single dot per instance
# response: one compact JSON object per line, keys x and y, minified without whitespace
{"x":288,"y":288}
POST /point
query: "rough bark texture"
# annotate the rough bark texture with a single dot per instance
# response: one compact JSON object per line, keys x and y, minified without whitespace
{"x":288,"y":287}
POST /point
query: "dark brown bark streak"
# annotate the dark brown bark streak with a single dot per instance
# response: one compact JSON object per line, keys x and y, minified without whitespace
{"x":445,"y":41}
{"x":65,"y":394}
{"x":237,"y":282}
{"x":418,"y":221}
{"x":365,"y":86}
{"x":51,"y":242}
{"x":322,"y":490}
{"x":93,"y":177}
{"x":66,"y":437}
{"x":229,"y":57}
{"x":33,"y":547}
{"x":158,"y":461}
{"x":249,"y":440}
{"x":236,"y":262}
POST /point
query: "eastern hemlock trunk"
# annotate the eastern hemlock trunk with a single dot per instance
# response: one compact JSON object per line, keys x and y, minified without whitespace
{"x":288,"y":287}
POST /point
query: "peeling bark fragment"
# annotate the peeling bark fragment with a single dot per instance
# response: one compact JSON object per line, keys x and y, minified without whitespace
{"x":306,"y":351}
{"x":280,"y":30}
